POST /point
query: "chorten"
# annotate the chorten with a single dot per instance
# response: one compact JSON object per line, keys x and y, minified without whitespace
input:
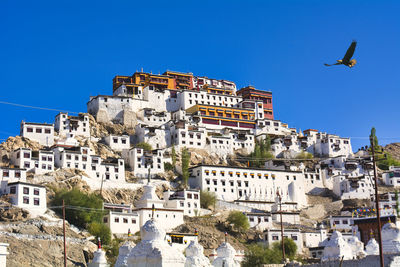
{"x":372,"y":248}
{"x":153,"y":250}
{"x":336,"y":248}
{"x":195,"y":256}
{"x":390,"y":238}
{"x":357,"y":247}
{"x":226,"y":256}
{"x":123,"y":253}
{"x":99,"y":259}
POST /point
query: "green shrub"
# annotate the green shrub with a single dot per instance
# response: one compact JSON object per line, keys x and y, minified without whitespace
{"x":304,"y":155}
{"x":168,"y":166}
{"x":86,"y":207}
{"x":100,"y":230}
{"x":258,"y":255}
{"x":207,"y":199}
{"x":290,"y":248}
{"x":145,"y":146}
{"x":239,"y":220}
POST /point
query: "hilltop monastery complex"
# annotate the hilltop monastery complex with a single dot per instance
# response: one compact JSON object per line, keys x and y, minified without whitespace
{"x":180,"y":110}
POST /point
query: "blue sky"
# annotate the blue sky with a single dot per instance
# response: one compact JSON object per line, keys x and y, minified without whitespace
{"x":57,"y":53}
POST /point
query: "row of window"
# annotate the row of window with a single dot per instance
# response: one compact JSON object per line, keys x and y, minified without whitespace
{"x":25,"y":190}
{"x":38,"y":130}
{"x":6,"y":173}
{"x":36,"y":201}
{"x":214,"y":97}
{"x":244,"y":174}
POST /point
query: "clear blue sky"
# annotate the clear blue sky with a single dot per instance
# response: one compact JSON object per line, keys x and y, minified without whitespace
{"x":58,"y":53}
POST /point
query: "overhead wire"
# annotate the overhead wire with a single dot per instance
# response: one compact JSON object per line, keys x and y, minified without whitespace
{"x":35,"y":107}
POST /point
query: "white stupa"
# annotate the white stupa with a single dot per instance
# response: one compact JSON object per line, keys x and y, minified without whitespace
{"x":123,"y":253}
{"x":336,"y":248}
{"x":153,"y":250}
{"x":99,"y":259}
{"x":372,"y":248}
{"x":357,"y":247}
{"x":226,"y":256}
{"x":195,"y":256}
{"x":390,"y":238}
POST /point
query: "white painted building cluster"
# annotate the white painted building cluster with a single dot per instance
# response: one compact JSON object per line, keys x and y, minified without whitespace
{"x":168,"y":211}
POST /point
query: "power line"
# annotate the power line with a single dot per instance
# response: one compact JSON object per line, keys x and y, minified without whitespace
{"x":34,"y":107}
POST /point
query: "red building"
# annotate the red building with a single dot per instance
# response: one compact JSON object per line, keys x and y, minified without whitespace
{"x":251,"y":93}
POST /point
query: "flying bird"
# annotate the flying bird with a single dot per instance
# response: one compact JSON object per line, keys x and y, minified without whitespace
{"x":346,"y":60}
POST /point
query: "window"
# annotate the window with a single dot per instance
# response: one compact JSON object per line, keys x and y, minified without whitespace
{"x":134,"y":221}
{"x":123,"y":141}
{"x":125,"y":220}
{"x":13,"y":190}
{"x":47,"y":131}
{"x":275,"y":237}
{"x":44,"y":158}
{"x":26,"y":200}
{"x":189,"y":196}
{"x":294,"y":237}
{"x":196,"y":196}
{"x":5,"y":174}
{"x":26,"y":190}
{"x":38,"y":130}
{"x":29,"y":130}
{"x":115,"y":140}
{"x":27,"y":155}
{"x":116,"y":219}
{"x":36,"y":201}
{"x":36,"y":191}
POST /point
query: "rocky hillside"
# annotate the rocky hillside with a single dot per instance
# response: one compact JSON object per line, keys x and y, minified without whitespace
{"x":40,"y":243}
{"x":394,"y":150}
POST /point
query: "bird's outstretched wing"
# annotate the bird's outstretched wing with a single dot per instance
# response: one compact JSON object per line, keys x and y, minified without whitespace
{"x":350,"y":52}
{"x":338,"y":63}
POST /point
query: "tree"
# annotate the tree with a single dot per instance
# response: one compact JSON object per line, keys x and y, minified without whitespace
{"x":373,"y":138}
{"x":145,"y":146}
{"x":257,"y":255}
{"x":173,"y":152}
{"x":207,"y":199}
{"x":168,"y":166}
{"x":86,"y":208}
{"x":261,"y":152}
{"x":185,"y":166}
{"x":239,"y":220}
{"x":290,"y":248}
{"x":100,"y":230}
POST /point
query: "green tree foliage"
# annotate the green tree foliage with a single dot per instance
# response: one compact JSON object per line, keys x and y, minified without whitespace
{"x":100,"y":230}
{"x":173,"y":152}
{"x":185,"y":166}
{"x":385,"y":160}
{"x":373,"y":138}
{"x":261,"y":153}
{"x":207,"y":199}
{"x":90,"y":206}
{"x":290,"y":247}
{"x":239,"y":220}
{"x":145,"y":146}
{"x":168,"y":166}
{"x":258,"y":255}
{"x":304,"y":155}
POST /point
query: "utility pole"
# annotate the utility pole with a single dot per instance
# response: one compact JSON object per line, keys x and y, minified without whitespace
{"x":65,"y":243}
{"x":282,"y":237}
{"x":378,"y":215}
{"x":101,"y":185}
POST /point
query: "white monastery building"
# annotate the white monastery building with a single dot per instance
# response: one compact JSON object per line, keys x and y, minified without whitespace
{"x":43,"y":133}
